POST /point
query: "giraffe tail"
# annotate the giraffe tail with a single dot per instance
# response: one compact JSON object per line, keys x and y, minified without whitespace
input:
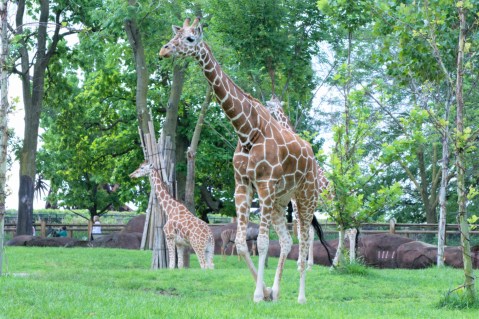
{"x":319,"y":232}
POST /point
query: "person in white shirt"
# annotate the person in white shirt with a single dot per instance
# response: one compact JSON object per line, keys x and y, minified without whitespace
{"x":96,"y":229}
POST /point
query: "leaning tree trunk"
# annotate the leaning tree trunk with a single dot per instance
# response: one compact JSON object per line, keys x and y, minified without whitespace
{"x":339,"y":259}
{"x":460,"y":146}
{"x":3,"y":117}
{"x":191,"y":155}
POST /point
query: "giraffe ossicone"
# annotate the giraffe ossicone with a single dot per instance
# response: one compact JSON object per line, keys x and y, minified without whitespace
{"x":182,"y":228}
{"x":274,"y":162}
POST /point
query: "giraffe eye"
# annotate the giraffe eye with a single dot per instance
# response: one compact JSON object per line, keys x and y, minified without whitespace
{"x":190,"y":39}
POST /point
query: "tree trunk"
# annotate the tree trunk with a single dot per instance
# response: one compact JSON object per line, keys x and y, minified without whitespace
{"x":182,"y":144}
{"x":191,"y":155}
{"x":33,"y":93}
{"x":4,"y":108}
{"x":351,"y":233}
{"x":156,"y":217}
{"x":469,"y":286}
{"x":142,"y":74}
{"x":168,"y":132}
{"x":441,"y":235}
{"x":339,"y":259}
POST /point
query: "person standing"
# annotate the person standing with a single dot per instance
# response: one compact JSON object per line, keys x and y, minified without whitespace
{"x":96,"y":229}
{"x":63,"y":232}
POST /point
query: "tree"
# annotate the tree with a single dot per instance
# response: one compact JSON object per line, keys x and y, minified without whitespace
{"x":87,"y":143}
{"x":32,"y":74}
{"x":4,"y":108}
{"x":461,"y":145}
{"x":191,"y":155}
{"x":350,"y":201}
{"x":285,"y":37}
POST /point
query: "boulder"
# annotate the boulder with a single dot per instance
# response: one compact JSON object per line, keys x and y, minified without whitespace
{"x":416,"y":255}
{"x":453,"y":256}
{"x":380,"y":250}
{"x":20,"y":240}
{"x":33,"y":241}
{"x":118,"y":240}
{"x":135,"y":225}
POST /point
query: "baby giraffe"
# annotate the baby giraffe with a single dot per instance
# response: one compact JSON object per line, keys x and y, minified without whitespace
{"x":182,"y":228}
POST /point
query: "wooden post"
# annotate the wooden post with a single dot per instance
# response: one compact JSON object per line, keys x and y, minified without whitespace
{"x":90,"y":226}
{"x":153,"y":235}
{"x":392,"y":226}
{"x":43,"y":228}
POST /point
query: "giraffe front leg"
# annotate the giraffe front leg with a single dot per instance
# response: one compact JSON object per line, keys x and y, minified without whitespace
{"x":170,"y":237}
{"x":180,"y":250}
{"x":200,"y":253}
{"x":209,"y":254}
{"x":170,"y":244}
{"x":285,"y":241}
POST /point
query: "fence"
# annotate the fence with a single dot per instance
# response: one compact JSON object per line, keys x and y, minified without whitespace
{"x":423,"y":232}
{"x":73,"y":230}
{"x":59,"y":218}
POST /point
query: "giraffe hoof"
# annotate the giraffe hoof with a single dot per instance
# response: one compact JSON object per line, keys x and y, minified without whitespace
{"x":269,"y":294}
{"x":302,"y":300}
{"x":258,"y":299}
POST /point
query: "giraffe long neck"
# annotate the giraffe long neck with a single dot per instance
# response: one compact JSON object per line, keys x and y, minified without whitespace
{"x":162,"y":193}
{"x":241,"y":109}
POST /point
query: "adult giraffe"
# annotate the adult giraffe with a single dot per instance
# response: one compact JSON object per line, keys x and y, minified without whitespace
{"x":275,"y":163}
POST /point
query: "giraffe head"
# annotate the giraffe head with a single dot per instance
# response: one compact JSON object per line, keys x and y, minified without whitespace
{"x":143,"y":170}
{"x":274,"y":104}
{"x":185,"y":40}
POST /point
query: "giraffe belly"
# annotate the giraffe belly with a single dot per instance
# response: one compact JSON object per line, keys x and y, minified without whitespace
{"x":180,"y":241}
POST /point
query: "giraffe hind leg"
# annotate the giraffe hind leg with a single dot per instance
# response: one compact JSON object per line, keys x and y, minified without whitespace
{"x":311,"y":248}
{"x":285,"y":241}
{"x":304,"y":225}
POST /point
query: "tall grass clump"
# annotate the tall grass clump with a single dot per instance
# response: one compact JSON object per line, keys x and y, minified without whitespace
{"x":457,"y":299}
{"x":356,"y":267}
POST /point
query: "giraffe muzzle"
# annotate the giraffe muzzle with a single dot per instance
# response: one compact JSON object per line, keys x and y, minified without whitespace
{"x":166,"y":51}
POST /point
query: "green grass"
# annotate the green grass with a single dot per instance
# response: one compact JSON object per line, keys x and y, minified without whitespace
{"x":113,"y":283}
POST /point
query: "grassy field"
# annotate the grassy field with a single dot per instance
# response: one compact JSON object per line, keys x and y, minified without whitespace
{"x":111,"y":283}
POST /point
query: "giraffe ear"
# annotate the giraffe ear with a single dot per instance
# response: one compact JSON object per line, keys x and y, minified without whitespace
{"x":175,"y":29}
